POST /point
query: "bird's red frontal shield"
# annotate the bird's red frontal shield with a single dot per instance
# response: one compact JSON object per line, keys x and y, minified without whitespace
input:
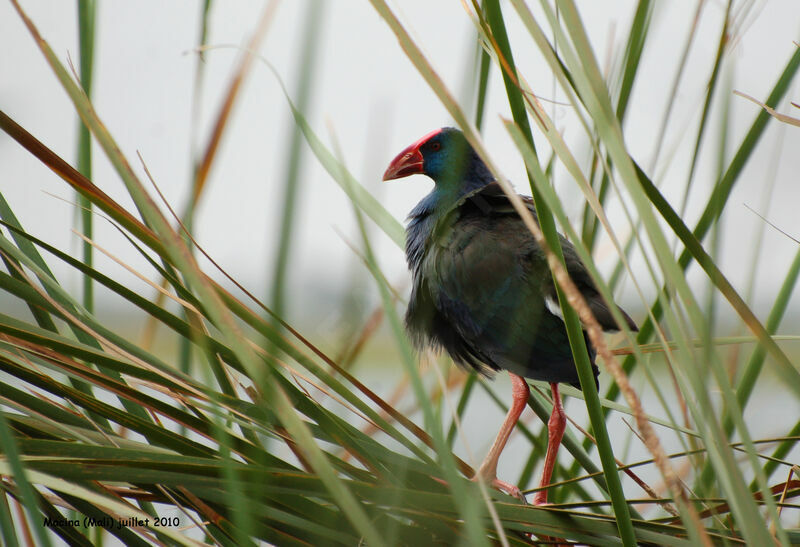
{"x":409,"y":161}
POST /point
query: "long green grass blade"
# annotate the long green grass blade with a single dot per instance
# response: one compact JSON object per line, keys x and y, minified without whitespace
{"x":574,"y":328}
{"x":87,"y":14}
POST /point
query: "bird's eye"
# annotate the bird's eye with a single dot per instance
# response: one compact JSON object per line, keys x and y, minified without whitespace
{"x":435,"y":146}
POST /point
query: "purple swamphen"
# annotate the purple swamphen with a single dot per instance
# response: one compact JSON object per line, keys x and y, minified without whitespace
{"x":482,"y":289}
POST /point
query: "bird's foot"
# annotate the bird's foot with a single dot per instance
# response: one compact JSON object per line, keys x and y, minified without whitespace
{"x":540,"y":498}
{"x":503,"y":486}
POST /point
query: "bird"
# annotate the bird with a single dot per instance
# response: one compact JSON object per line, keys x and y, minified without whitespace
{"x":482,"y":290}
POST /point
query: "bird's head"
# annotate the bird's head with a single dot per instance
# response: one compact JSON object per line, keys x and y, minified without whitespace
{"x":445,"y":156}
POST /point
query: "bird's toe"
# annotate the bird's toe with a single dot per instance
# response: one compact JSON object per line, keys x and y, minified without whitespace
{"x":510,"y":489}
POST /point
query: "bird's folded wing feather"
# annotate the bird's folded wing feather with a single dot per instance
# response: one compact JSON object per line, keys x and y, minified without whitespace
{"x":496,"y":201}
{"x":485,"y":278}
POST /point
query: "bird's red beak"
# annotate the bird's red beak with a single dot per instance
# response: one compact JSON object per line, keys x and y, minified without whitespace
{"x":409,"y":161}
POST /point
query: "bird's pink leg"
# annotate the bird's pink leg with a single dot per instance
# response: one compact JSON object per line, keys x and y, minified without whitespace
{"x":488,"y":469}
{"x":555,"y":431}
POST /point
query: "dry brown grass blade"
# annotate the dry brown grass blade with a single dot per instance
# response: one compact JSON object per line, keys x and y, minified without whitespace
{"x":204,"y":166}
{"x":795,"y":470}
{"x":107,"y":383}
{"x":400,"y":390}
{"x":80,"y":183}
{"x":203,"y":508}
{"x":371,"y":395}
{"x":771,"y":111}
{"x":22,"y":517}
{"x":350,"y":352}
{"x":479,"y":19}
{"x":135,"y":273}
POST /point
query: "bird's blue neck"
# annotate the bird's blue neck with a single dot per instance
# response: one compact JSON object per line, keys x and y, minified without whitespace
{"x":450,"y":189}
{"x":437,"y":204}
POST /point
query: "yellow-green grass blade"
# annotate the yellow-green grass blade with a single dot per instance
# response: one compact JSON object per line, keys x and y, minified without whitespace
{"x":637,"y":37}
{"x":574,"y":328}
{"x":14,"y":467}
{"x":597,"y":103}
{"x":787,"y":370}
{"x":354,"y":190}
{"x":720,"y":195}
{"x":87,"y":14}
{"x":755,"y":363}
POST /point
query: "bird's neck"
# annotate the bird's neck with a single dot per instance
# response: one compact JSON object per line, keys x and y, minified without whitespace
{"x":433,"y":210}
{"x":449,"y":191}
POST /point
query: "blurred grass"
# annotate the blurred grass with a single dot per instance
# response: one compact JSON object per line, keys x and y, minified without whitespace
{"x":277,"y":442}
{"x":308,"y":52}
